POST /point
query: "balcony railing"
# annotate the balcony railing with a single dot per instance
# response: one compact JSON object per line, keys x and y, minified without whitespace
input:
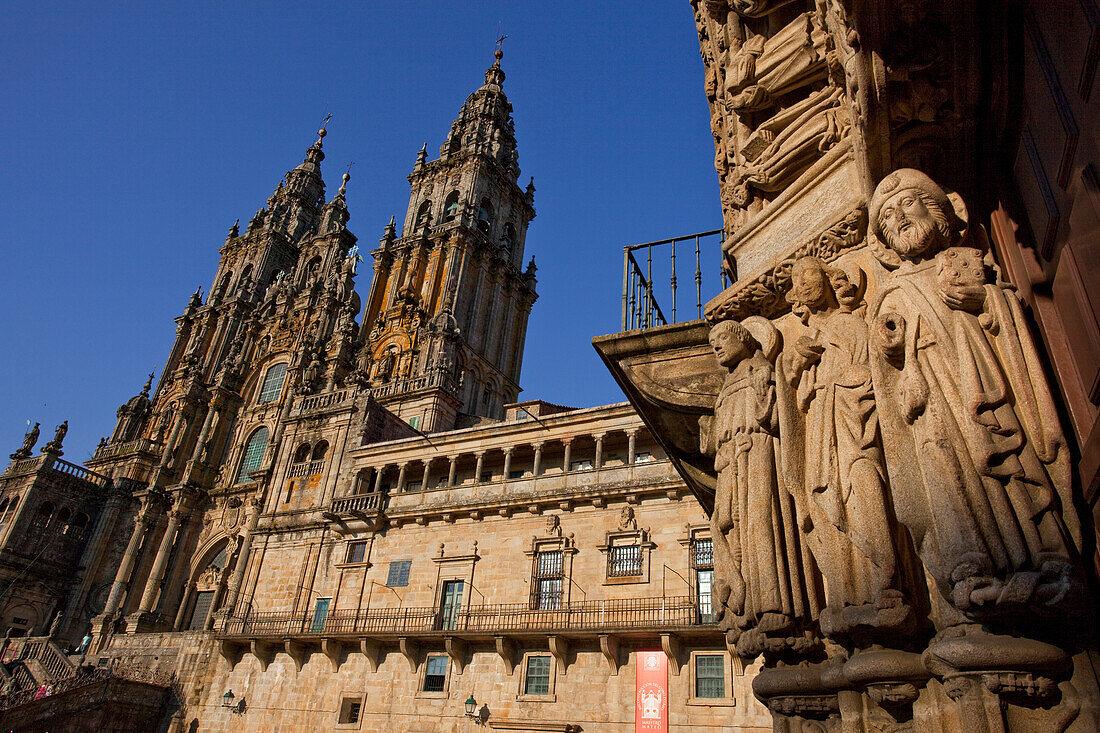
{"x":647,"y":267}
{"x":361,"y":503}
{"x":141,"y":445}
{"x":607,"y":615}
{"x":307,"y":468}
{"x":437,"y":378}
{"x":79,"y":472}
{"x":327,"y":399}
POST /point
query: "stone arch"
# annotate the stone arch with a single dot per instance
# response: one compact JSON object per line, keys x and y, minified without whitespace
{"x":320,"y":450}
{"x":301,"y":453}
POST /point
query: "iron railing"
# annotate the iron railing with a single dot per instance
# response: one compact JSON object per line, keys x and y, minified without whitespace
{"x":642,"y":272}
{"x":633,"y":613}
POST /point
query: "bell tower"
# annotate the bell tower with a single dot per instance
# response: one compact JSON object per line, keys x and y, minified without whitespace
{"x":446,"y":316}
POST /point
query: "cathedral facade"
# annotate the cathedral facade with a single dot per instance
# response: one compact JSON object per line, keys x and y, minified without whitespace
{"x":331,"y":512}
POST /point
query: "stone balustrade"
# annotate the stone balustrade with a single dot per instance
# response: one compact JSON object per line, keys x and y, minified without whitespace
{"x":310,"y":403}
{"x":361,"y":503}
{"x":141,"y":445}
{"x":306,"y":468}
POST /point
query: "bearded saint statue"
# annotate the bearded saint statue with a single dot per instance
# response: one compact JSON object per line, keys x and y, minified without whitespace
{"x":978,"y":467}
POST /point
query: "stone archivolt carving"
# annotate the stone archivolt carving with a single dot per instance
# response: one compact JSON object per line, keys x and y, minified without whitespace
{"x":890,"y":465}
{"x":777,"y":95}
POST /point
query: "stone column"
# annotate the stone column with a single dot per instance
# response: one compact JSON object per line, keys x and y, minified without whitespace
{"x":631,"y":437}
{"x":141,"y":524}
{"x":378,"y":479}
{"x":477,"y":469}
{"x":401,"y":477}
{"x":204,"y":433}
{"x":152,"y":585}
{"x":598,"y":462}
{"x":566,"y":459}
{"x":234,"y":587}
{"x":427,"y":473}
{"x":171,"y":444}
{"x":507,"y":464}
{"x":538,"y":460}
{"x":453,"y":471}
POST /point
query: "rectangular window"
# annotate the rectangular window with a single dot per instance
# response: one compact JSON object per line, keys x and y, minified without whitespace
{"x":320,"y":613}
{"x":414,"y":422}
{"x":435,"y":673}
{"x":643,"y":458}
{"x":350,"y":709}
{"x":624,"y":561}
{"x":203,"y":601}
{"x":450,"y":604}
{"x":584,"y":465}
{"x":515,"y":474}
{"x":710,"y":675}
{"x":399,"y":573}
{"x":413,"y":486}
{"x":357,"y":552}
{"x":537,"y":679}
{"x":703,"y":553}
{"x":548,"y":580}
{"x":705,"y":580}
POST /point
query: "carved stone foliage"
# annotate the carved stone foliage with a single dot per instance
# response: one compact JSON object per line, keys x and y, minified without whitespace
{"x":890,"y":465}
{"x":765,"y":295}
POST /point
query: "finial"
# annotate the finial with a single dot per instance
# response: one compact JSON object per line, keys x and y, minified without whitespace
{"x":324,"y":129}
{"x":235,"y":230}
{"x":391,"y":230}
{"x":421,"y":158}
{"x":347,"y":177}
{"x":149,"y":382}
{"x":499,"y":53}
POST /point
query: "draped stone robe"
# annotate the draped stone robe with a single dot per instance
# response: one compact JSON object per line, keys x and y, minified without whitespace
{"x":977,"y":465}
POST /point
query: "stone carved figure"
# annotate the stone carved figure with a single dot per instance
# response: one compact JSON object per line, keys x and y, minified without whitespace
{"x":833,"y":454}
{"x":764,"y":595}
{"x":54,"y":446}
{"x":979,"y":469}
{"x":29,"y":441}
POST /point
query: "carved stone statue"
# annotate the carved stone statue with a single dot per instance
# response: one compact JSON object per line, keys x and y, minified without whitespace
{"x":28,"y":444}
{"x":54,"y":446}
{"x":833,"y":455}
{"x":978,"y":465}
{"x":762,"y":592}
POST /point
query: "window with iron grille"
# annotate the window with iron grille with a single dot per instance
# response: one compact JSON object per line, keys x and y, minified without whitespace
{"x":349,"y":710}
{"x":710,"y":675}
{"x":253,"y":454}
{"x":537,"y":679}
{"x":273,"y":384}
{"x":435,"y":673}
{"x":548,"y":580}
{"x":399,"y":573}
{"x":702,"y":553}
{"x":624,"y":561}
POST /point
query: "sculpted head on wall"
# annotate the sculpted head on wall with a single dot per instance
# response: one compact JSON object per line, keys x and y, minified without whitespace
{"x":913,"y":215}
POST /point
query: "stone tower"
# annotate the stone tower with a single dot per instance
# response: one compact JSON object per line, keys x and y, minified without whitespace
{"x":446,"y":315}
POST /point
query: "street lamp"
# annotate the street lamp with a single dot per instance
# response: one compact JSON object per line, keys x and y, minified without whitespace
{"x":471,"y":704}
{"x":227,"y":699}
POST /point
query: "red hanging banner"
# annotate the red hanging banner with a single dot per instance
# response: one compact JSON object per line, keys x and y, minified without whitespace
{"x":651,"y":692}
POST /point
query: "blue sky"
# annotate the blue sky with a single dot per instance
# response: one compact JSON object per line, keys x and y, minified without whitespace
{"x":135,"y":133}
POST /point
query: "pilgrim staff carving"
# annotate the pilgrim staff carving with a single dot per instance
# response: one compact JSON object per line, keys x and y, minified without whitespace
{"x":978,"y":465}
{"x":763,"y":594}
